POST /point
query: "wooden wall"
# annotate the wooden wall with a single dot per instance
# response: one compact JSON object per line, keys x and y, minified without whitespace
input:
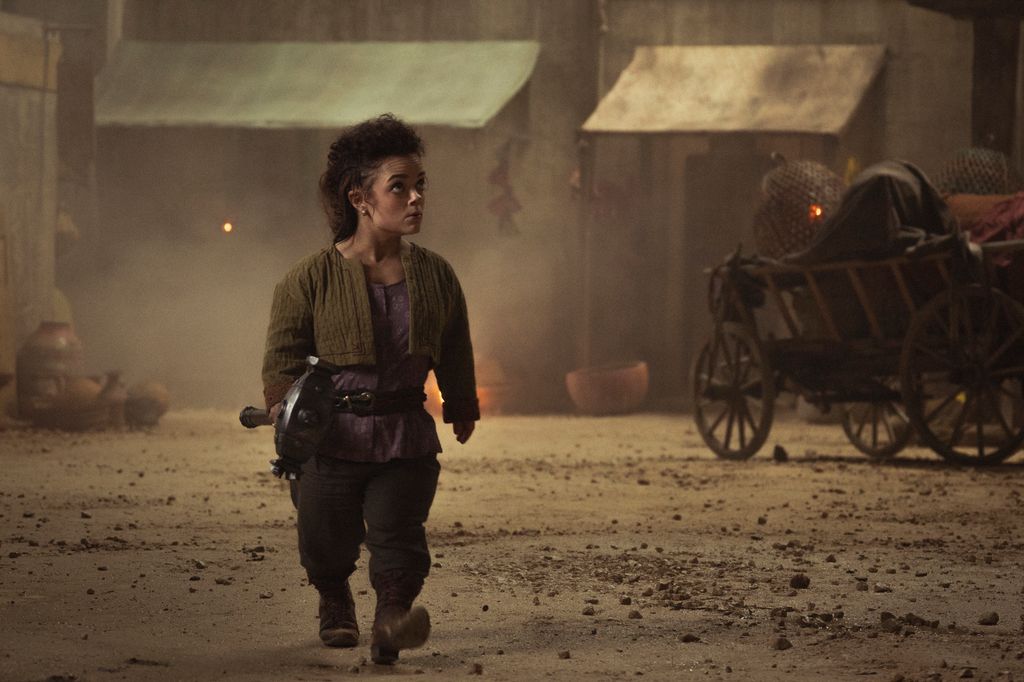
{"x":520,"y":284}
{"x":524,"y":289}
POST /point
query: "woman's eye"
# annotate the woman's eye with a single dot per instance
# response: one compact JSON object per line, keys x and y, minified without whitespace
{"x":397,"y":187}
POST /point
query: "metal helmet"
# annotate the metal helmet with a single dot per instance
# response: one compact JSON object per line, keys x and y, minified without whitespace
{"x":977,"y":170}
{"x":796,"y":196}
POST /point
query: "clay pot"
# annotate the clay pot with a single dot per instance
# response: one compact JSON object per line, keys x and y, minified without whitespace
{"x":48,"y":359}
{"x":78,"y":408}
{"x":608,"y":389}
{"x":114,"y":395}
{"x":147,"y":401}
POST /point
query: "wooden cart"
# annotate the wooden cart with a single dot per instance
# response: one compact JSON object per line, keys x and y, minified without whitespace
{"x":926,"y":345}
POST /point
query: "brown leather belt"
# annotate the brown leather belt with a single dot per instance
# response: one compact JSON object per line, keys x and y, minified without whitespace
{"x":365,"y":403}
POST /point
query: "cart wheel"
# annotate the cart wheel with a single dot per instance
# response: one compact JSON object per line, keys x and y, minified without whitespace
{"x":734,"y":393}
{"x":961,"y":372}
{"x":879,"y":430}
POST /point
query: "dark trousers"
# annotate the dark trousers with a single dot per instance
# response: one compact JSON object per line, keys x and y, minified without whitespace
{"x":342,"y":503}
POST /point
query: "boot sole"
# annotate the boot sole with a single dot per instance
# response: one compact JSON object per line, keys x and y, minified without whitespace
{"x":342,"y":638}
{"x":383,"y":655}
{"x":411,"y":631}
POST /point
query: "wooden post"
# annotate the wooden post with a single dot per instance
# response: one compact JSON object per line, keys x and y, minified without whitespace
{"x":585,"y":149}
{"x":994,"y":89}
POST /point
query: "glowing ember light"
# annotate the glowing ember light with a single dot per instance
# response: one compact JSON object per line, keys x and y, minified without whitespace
{"x":434,"y":401}
{"x":228,"y":227}
{"x":815,"y":212}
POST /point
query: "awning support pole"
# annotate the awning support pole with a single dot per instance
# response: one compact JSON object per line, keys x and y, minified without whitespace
{"x":585,"y":150}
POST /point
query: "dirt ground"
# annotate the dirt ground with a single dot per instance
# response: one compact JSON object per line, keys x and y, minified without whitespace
{"x":564,"y":548}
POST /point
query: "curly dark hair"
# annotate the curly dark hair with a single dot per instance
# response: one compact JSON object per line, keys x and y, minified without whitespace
{"x":352,"y":161}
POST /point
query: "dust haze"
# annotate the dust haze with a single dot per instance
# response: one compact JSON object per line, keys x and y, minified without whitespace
{"x":163,"y":292}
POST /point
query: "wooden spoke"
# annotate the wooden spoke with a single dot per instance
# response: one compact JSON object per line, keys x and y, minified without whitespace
{"x":971,"y":321}
{"x":1006,"y":345}
{"x":950,"y":398}
{"x":734,"y":386}
{"x":718,"y":421}
{"x":993,"y":404}
{"x":879,"y":430}
{"x":941,"y":359}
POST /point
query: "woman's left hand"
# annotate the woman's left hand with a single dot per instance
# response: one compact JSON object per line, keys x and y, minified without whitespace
{"x":463,"y":430}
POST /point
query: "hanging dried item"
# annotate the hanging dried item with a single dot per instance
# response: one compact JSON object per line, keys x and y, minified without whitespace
{"x":505,"y":205}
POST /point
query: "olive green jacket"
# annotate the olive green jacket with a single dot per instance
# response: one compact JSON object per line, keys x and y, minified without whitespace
{"x":322,"y":308}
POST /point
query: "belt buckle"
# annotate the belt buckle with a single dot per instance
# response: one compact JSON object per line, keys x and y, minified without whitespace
{"x":360,"y":403}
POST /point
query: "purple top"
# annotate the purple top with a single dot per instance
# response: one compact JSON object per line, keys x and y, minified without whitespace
{"x":379,"y":438}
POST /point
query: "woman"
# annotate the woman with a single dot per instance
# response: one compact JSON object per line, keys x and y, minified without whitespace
{"x":386,"y":311}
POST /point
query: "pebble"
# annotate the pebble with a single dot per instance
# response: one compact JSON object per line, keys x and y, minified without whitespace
{"x":564,"y":654}
{"x":86,"y":515}
{"x":990,"y":618}
{"x":634,"y":614}
{"x":626,"y":601}
{"x":781,"y":644}
{"x":689,"y":637}
{"x":476,"y":669}
{"x":588,"y":611}
{"x":882,"y":587}
{"x":800,"y":581}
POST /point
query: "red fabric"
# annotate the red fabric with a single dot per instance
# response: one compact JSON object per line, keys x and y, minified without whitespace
{"x":1004,"y":221}
{"x":970,"y":209}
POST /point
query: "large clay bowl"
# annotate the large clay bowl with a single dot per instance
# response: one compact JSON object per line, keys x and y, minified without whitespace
{"x":608,"y":389}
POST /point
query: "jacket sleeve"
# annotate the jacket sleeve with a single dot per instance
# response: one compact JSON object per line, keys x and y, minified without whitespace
{"x":456,"y":374}
{"x":289,"y":340}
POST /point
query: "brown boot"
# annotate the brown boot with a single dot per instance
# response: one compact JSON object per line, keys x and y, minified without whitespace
{"x":338,"y":625}
{"x":397,"y":624}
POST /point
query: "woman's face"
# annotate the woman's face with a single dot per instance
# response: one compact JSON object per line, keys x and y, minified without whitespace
{"x":395,"y":201}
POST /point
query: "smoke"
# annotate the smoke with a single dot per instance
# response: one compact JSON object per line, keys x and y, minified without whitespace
{"x":189,"y":313}
{"x":161,"y":292}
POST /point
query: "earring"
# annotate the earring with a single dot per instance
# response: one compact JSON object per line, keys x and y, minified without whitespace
{"x":365,"y":212}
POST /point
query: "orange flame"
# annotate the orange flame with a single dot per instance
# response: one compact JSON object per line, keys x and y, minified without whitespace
{"x":433,"y":404}
{"x":815,"y":212}
{"x":227,"y":227}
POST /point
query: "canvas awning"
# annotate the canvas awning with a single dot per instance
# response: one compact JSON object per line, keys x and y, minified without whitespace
{"x":738,"y":88}
{"x":310,"y":85}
